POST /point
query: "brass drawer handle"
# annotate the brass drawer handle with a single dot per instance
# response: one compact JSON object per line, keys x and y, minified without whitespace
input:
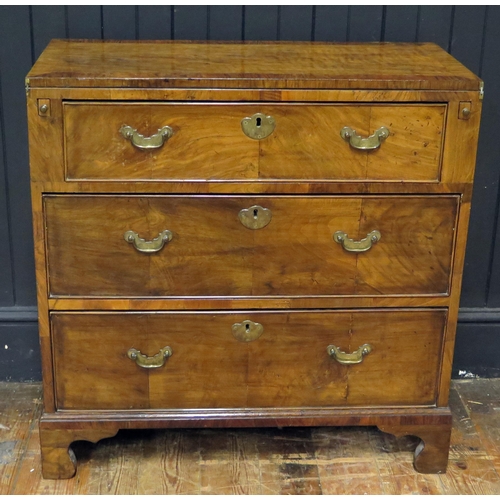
{"x":255,"y":217}
{"x":141,"y":142}
{"x":155,"y":245}
{"x":365,"y":143}
{"x":156,"y":361}
{"x":258,"y":126}
{"x":247,"y":330}
{"x":357,"y":246}
{"x":349,"y":358}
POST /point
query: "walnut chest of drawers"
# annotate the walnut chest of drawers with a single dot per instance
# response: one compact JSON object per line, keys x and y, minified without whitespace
{"x":259,"y":234}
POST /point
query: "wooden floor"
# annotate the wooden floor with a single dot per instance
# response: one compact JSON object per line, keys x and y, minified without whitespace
{"x":257,"y":461}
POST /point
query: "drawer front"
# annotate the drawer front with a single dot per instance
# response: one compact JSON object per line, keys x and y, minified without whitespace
{"x":288,"y":362}
{"x":212,"y":253}
{"x":207,"y":142}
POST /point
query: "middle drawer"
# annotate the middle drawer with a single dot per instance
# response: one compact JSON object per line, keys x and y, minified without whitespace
{"x":242,"y":246}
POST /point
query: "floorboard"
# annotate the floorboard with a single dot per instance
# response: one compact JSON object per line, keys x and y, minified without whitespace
{"x":311,"y":461}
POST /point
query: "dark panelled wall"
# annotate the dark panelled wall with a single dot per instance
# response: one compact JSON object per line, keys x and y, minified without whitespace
{"x":470,"y":33}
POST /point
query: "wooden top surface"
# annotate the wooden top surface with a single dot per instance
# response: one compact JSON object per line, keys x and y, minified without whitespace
{"x":297,"y":65}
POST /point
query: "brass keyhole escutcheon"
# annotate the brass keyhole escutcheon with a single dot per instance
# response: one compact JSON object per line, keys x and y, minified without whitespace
{"x":255,"y":217}
{"x":258,"y":126}
{"x":247,"y":330}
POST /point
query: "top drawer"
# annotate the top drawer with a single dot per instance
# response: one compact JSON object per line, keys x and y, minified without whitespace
{"x":121,"y":141}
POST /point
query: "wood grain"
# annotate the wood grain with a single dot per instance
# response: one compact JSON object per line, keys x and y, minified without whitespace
{"x":81,"y":370}
{"x":451,"y":328}
{"x":473,"y":465}
{"x":460,"y":147}
{"x":232,"y":303}
{"x":431,"y":455}
{"x":307,"y":144}
{"x":347,"y":460}
{"x":209,"y":144}
{"x":201,"y":256}
{"x":249,"y":65}
{"x":213,"y":254}
{"x":19,"y":412}
{"x":210,"y":94}
{"x":396,"y":471}
{"x":288,"y":366}
{"x":90,"y":185}
{"x":58,"y":459}
{"x":230,"y":468}
{"x":264,"y":187}
{"x":107,"y":422}
{"x":42,"y":296}
{"x":481,"y":399}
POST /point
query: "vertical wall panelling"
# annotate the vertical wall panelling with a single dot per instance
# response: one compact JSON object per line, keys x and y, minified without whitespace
{"x":225,"y":22}
{"x":435,"y":24}
{"x":485,"y":202}
{"x":261,"y":22}
{"x":15,"y":62}
{"x":6,"y":288}
{"x":289,"y":29}
{"x":49,"y":21}
{"x":467,"y":46}
{"x":119,"y":22}
{"x":365,"y":23}
{"x":330,"y":23}
{"x":487,"y":196}
{"x":401,"y":23}
{"x":467,"y":40}
{"x":154,"y":22}
{"x":190,"y":22}
{"x":84,"y":21}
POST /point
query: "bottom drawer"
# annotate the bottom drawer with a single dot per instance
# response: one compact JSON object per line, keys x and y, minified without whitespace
{"x":286,"y":362}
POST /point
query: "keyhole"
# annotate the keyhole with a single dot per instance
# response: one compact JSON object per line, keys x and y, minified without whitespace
{"x":247,"y":327}
{"x":255,"y":213}
{"x":258,"y":121}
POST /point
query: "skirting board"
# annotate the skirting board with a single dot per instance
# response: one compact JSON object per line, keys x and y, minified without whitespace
{"x":19,"y":347}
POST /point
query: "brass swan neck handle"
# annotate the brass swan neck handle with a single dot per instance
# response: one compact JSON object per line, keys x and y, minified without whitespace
{"x":156,"y":361}
{"x":155,"y":245}
{"x":352,"y":358}
{"x":140,"y":141}
{"x":362,"y":245}
{"x":365,"y":143}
